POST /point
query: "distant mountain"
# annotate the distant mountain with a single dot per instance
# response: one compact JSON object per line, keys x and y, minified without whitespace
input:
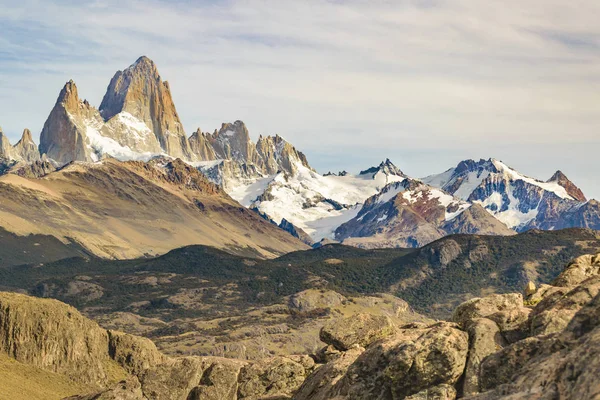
{"x":133,"y":209}
{"x":412,"y":214}
{"x":137,"y":120}
{"x":517,"y":200}
{"x":25,"y":150}
{"x":312,"y":202}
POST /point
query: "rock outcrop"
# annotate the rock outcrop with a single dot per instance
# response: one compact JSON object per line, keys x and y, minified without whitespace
{"x":53,"y":336}
{"x":56,"y":337}
{"x":402,"y":365}
{"x":357,"y":330}
{"x":569,"y":186}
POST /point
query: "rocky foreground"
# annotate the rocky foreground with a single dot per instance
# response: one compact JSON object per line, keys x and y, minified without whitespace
{"x":543,"y":346}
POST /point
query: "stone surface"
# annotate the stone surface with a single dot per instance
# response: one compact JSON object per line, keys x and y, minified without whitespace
{"x":53,"y":336}
{"x":63,"y":137}
{"x":279,"y":376}
{"x":140,"y":91}
{"x":579,"y":270}
{"x":560,"y":366}
{"x":321,"y":384}
{"x":482,"y":307}
{"x":484,"y":339}
{"x":361,"y":329}
{"x":129,"y":389}
{"x":554,"y":312}
{"x":135,"y":354}
{"x":314,"y":299}
{"x":402,"y":368}
{"x":441,"y":392}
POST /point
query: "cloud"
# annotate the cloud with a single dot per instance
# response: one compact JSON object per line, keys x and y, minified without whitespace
{"x":430,"y":82}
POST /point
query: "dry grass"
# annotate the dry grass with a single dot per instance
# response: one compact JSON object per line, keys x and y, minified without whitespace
{"x":25,"y":382}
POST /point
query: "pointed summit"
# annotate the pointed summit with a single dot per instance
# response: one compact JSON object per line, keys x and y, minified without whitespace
{"x":26,"y":149}
{"x":201,"y":147}
{"x":569,"y":186}
{"x":140,"y":92}
{"x":6,"y":150}
{"x":386,"y":167}
{"x":63,"y":137}
{"x":233,"y":142}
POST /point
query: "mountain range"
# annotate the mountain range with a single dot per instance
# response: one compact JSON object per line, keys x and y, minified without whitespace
{"x":98,"y":172}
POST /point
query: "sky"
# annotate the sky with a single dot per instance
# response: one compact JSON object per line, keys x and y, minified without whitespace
{"x":425,"y":83}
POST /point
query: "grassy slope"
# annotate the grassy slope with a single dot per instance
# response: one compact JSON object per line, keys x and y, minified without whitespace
{"x":25,"y":382}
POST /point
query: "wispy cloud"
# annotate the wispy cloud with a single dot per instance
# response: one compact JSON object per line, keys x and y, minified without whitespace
{"x":432,"y":80}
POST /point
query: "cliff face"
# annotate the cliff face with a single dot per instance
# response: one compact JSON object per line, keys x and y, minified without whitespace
{"x":140,"y":91}
{"x":64,"y":136}
{"x":25,"y":149}
{"x":53,"y":336}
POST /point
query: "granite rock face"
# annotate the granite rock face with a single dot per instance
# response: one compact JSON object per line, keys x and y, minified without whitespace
{"x":25,"y":149}
{"x":402,"y":365}
{"x":357,"y":330}
{"x":140,"y":92}
{"x":64,"y":136}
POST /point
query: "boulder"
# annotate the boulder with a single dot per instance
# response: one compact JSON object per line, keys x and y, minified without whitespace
{"x":190,"y":378}
{"x":129,"y":389}
{"x":133,"y":353}
{"x":530,"y":289}
{"x":361,"y":329}
{"x":321,"y":384}
{"x":483,"y":307}
{"x":555,"y":311}
{"x":441,"y":392}
{"x":401,"y":366}
{"x":579,"y":270}
{"x":500,"y":367}
{"x":559,"y":366}
{"x":279,"y":376}
{"x":484,"y":339}
{"x":314,"y":299}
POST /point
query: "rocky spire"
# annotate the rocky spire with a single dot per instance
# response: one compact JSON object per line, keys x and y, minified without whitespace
{"x":201,"y":147}
{"x":6,"y":150}
{"x":63,"y":137}
{"x":140,"y":91}
{"x":569,"y":186}
{"x":278,"y":154}
{"x":232,"y":142}
{"x":26,"y":149}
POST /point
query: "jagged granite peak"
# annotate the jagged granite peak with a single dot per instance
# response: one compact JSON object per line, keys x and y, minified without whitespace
{"x":63,"y":137}
{"x":200,"y":145}
{"x":25,"y":149}
{"x":386,"y":167}
{"x":6,"y":149}
{"x":232,"y":142}
{"x":278,"y":154}
{"x":573,"y":191}
{"x":140,"y":91}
